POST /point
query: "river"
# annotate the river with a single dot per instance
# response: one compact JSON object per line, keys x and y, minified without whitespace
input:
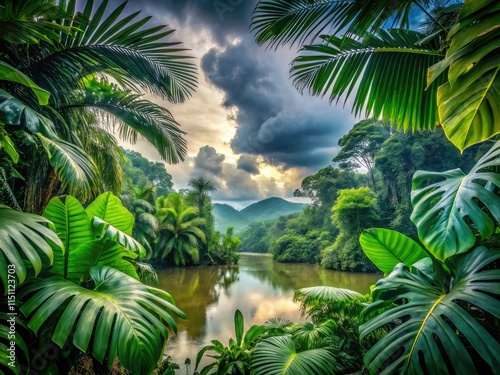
{"x":258,"y":286}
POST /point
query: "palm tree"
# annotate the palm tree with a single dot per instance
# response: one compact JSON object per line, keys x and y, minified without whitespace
{"x":405,"y":66}
{"x":201,"y":187}
{"x":142,"y":206}
{"x":179,"y":230}
{"x":72,"y":62}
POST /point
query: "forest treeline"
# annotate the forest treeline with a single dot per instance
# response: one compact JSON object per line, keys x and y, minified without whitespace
{"x":369,"y":187}
{"x":177,"y":228}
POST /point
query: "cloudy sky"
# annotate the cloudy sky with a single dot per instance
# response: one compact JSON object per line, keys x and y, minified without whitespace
{"x":248,"y":129}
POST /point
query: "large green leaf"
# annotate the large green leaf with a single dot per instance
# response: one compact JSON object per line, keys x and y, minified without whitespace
{"x":391,"y":61}
{"x":14,"y":112}
{"x":25,"y":243}
{"x":442,"y":210}
{"x":278,"y":356}
{"x":239,"y":326}
{"x":120,"y":317}
{"x":435,"y":330}
{"x":109,"y":208}
{"x":386,"y":248}
{"x":469,"y":110}
{"x":7,"y":145}
{"x":105,"y":231}
{"x":71,"y":222}
{"x":98,"y":253}
{"x":468,"y":102}
{"x":11,"y":74}
{"x":87,"y":246}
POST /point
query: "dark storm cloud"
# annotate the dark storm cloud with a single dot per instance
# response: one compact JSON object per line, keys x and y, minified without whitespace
{"x":232,"y":182}
{"x":208,"y":159}
{"x":249,"y":164}
{"x":273,"y":120}
{"x":224,"y":18}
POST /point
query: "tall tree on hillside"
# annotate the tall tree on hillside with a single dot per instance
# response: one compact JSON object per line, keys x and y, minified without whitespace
{"x":359,"y":146}
{"x":201,"y":186}
{"x":322,"y":187}
{"x":179,"y":232}
{"x":69,"y":134}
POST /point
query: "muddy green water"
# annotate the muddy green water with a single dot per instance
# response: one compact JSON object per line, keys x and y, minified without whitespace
{"x":258,"y":286}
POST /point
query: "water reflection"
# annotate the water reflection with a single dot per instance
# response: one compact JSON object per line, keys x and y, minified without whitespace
{"x":195,"y":290}
{"x":259,"y":287}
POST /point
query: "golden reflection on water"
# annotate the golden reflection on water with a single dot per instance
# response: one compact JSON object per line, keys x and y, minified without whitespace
{"x":258,"y":286}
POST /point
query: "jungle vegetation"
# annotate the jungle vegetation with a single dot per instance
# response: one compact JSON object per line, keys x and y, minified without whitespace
{"x":78,"y":264}
{"x":437,"y":309}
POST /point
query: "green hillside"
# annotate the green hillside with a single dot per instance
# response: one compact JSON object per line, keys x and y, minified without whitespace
{"x":267,"y":209}
{"x":227,"y":216}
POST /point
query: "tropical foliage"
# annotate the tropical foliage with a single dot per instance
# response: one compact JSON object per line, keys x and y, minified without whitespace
{"x":223,"y":247}
{"x":56,"y":66}
{"x":447,"y":74}
{"x":179,"y":231}
{"x":437,"y":311}
{"x":80,"y":295}
{"x":276,"y":347}
{"x":445,"y":326}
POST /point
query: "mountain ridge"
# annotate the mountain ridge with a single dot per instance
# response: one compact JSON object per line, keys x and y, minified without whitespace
{"x":226,"y":215}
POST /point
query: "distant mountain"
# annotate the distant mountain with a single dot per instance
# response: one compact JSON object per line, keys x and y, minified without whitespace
{"x":227,"y":216}
{"x":267,"y":209}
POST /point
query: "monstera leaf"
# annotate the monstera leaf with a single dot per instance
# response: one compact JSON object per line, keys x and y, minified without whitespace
{"x":120,"y":317}
{"x":386,"y":248}
{"x":278,"y":356}
{"x":435,"y":322}
{"x":443,"y":210}
{"x":24,"y":243}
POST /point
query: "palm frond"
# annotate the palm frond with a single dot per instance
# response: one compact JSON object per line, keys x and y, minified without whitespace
{"x":30,"y":22}
{"x":142,"y":206}
{"x":133,"y":55}
{"x":278,"y":22}
{"x":323,"y":299}
{"x":387,"y":72}
{"x":134,"y":117}
{"x":311,"y":336}
{"x":73,"y":167}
